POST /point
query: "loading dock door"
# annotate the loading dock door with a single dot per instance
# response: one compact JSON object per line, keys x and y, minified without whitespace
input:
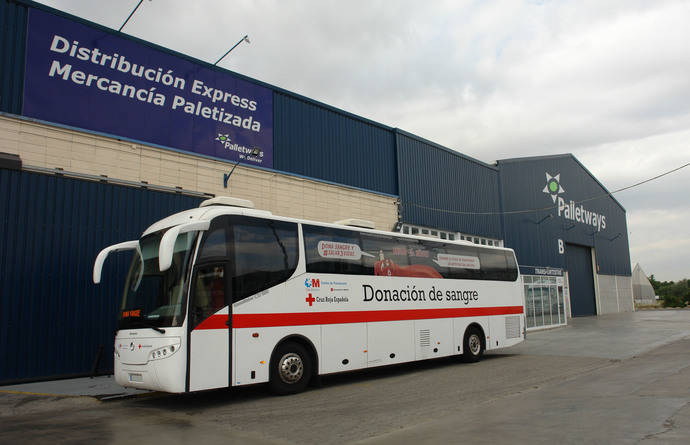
{"x":578,"y":260}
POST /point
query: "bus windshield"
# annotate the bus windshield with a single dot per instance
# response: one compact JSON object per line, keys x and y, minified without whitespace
{"x":153,"y":298}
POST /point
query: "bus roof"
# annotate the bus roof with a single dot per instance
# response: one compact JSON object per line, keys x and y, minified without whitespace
{"x":209,"y":212}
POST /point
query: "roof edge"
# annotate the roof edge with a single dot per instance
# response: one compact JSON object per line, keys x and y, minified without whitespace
{"x":442,"y":148}
{"x":562,"y":156}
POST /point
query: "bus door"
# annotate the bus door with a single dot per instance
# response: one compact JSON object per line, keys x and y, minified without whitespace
{"x":209,"y":319}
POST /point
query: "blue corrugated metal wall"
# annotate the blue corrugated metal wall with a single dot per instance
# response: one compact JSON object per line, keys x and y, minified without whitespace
{"x":320,"y":142}
{"x":55,"y":226}
{"x":52,"y":317}
{"x":12,"y":48}
{"x":534,"y":235}
{"x":437,"y":185}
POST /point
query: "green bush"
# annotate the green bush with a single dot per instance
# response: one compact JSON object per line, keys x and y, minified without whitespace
{"x":673,"y":293}
{"x":673,"y":301}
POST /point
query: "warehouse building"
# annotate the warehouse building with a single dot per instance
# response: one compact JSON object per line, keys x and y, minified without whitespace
{"x":101,"y":134}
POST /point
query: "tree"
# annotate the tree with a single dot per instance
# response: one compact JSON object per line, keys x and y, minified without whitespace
{"x":655,"y":284}
{"x":674,"y":294}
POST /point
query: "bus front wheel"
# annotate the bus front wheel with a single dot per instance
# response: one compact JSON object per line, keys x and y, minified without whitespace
{"x":472,"y":346}
{"x":291,"y":369}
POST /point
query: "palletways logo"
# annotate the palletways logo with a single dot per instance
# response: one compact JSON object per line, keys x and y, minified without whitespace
{"x":223,"y":138}
{"x":553,"y":186}
{"x":254,"y":154}
{"x":570,"y":210}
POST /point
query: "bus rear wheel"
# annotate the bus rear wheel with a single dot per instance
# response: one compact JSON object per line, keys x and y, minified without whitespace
{"x":472,"y":345}
{"x":291,"y":369}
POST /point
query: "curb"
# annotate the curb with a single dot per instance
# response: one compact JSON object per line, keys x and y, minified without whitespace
{"x":123,"y":396}
{"x":42,"y":394}
{"x":99,"y":397}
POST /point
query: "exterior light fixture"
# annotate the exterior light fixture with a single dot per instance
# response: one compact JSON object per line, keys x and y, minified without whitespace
{"x":243,"y":39}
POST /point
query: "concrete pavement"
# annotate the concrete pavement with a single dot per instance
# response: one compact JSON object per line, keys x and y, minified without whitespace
{"x":612,"y":379}
{"x":101,"y":387}
{"x":614,"y":336}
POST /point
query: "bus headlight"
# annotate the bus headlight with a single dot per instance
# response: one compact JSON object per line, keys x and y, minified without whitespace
{"x":164,"y":352}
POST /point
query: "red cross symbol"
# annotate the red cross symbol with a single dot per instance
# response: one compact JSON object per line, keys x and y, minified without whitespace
{"x":310,"y":300}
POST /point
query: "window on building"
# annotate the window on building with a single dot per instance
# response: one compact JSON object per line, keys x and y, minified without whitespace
{"x":544,"y":301}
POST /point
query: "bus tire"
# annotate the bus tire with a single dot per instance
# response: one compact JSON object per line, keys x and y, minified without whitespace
{"x":291,"y":369}
{"x":472,"y":345}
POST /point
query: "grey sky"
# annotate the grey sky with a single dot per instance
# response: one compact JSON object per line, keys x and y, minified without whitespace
{"x":606,"y":81}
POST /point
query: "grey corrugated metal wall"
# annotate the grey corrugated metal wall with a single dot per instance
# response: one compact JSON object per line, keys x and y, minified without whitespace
{"x":444,"y":189}
{"x":12,"y":48}
{"x":321,"y":142}
{"x":52,"y":317}
{"x":534,"y":235}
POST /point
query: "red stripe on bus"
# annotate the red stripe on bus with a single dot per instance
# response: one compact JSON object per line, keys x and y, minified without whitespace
{"x":214,"y":322}
{"x":314,"y":318}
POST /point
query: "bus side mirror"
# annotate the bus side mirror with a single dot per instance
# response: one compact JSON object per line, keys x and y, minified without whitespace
{"x":167,"y":246}
{"x":103,"y":254}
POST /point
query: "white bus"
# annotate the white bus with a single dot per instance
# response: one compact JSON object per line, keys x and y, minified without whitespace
{"x":225,"y":295}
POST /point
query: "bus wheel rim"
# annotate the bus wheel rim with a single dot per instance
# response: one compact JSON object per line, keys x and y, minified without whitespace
{"x":475,"y":344}
{"x":290,"y":368}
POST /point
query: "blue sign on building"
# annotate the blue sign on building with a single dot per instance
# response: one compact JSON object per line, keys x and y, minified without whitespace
{"x":87,"y":78}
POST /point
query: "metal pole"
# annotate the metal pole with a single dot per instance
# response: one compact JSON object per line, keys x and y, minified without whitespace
{"x":233,"y":47}
{"x":130,"y":15}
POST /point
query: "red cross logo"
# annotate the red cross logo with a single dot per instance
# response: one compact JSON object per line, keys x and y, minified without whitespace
{"x":310,"y":300}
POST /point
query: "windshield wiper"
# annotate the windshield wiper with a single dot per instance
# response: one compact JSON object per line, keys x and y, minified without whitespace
{"x":148,"y":325}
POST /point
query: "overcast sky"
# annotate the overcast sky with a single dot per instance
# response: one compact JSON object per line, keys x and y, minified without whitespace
{"x":608,"y":81}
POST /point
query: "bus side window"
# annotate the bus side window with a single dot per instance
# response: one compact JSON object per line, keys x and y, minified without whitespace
{"x":214,"y":244}
{"x":209,"y":293}
{"x":430,"y":252}
{"x":383,"y":254}
{"x":493,"y":263}
{"x":512,"y":272}
{"x":498,"y":265}
{"x":328,"y":259}
{"x":265,"y":254}
{"x":460,"y":273}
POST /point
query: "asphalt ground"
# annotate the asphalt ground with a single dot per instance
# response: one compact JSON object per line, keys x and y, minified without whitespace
{"x":622,"y":378}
